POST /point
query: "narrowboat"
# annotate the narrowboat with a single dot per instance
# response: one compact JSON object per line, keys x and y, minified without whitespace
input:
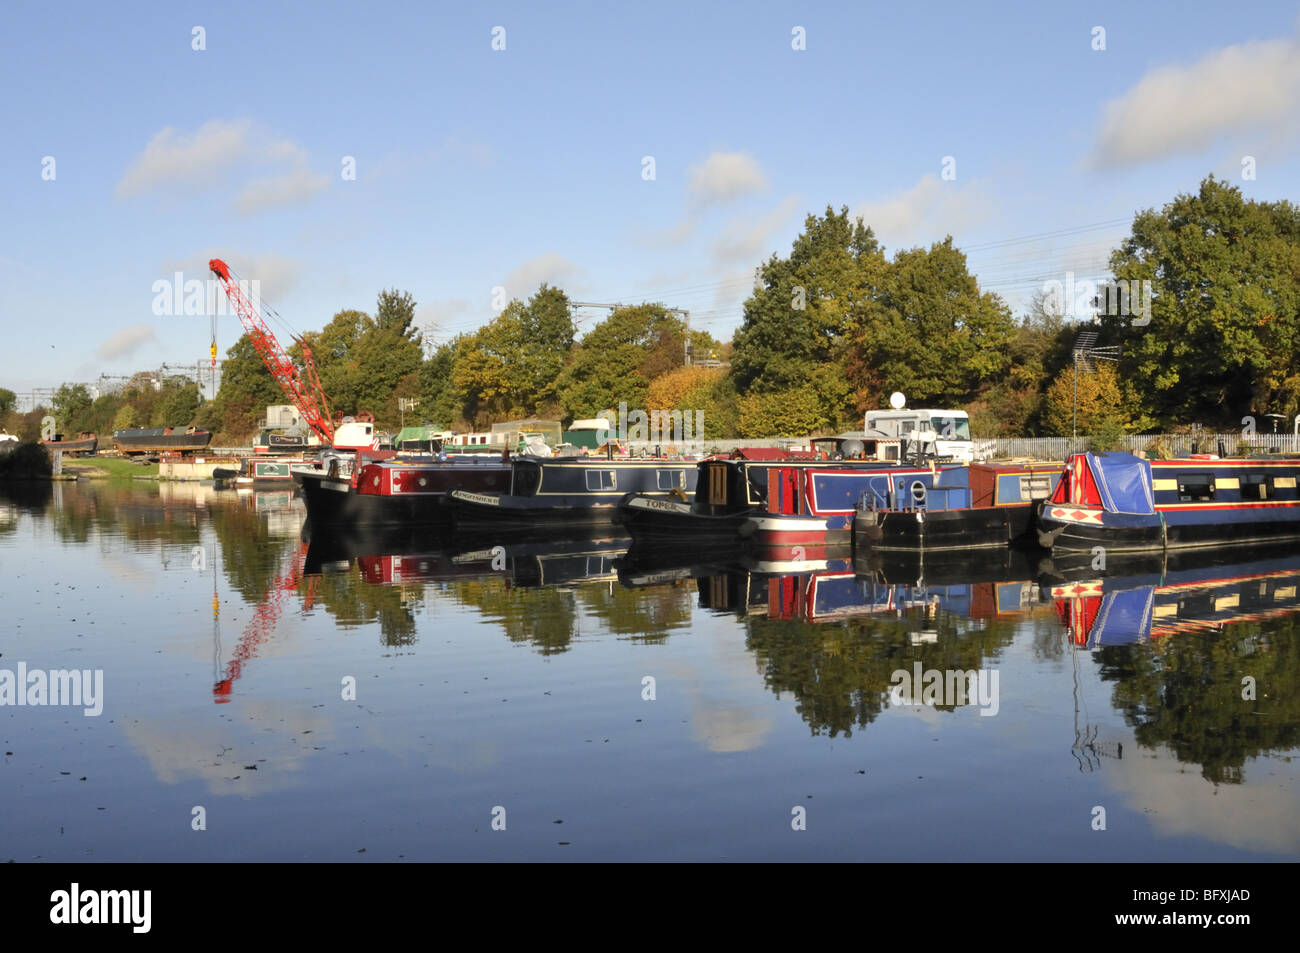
{"x":388,"y":492}
{"x":732,"y":491}
{"x":84,"y":443}
{"x":817,"y":505}
{"x":982,"y":506}
{"x":571,"y":491}
{"x":1123,"y":503}
{"x":161,"y":439}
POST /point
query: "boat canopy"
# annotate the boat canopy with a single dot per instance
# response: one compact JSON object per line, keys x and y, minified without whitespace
{"x":1117,"y":482}
{"x":1125,"y":617}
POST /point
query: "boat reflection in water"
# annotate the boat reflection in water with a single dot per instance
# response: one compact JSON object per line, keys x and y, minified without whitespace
{"x":1166,"y":595}
{"x":403,"y":557}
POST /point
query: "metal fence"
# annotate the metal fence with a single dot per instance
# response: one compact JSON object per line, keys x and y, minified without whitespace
{"x":1033,"y":448}
{"x":1171,"y":445}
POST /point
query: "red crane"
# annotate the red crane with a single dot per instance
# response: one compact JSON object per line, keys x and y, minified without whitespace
{"x":305,"y":394}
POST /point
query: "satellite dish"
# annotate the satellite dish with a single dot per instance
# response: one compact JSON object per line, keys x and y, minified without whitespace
{"x":897,"y":400}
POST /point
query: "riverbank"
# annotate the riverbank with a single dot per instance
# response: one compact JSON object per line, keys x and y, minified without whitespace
{"x":110,"y":468}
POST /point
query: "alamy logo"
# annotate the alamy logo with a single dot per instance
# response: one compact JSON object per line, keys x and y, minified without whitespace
{"x":952,"y":687}
{"x":195,"y":297}
{"x":103,"y":906}
{"x":1079,"y":298}
{"x":656,"y":426}
{"x":79,"y":688}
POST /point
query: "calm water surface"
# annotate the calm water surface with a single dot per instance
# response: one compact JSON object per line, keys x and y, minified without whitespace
{"x":511,"y":680}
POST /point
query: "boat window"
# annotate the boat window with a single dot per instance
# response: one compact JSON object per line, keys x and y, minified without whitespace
{"x":1193,"y":487}
{"x":600,"y":480}
{"x":671,"y":479}
{"x":1036,"y":486}
{"x":1257,"y":486}
{"x":951,"y":428}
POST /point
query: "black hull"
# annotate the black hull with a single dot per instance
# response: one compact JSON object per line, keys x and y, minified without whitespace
{"x":468,"y":515}
{"x":954,"y":567}
{"x":1150,"y":539}
{"x":671,"y":525}
{"x":940,"y":530}
{"x":337,"y":503}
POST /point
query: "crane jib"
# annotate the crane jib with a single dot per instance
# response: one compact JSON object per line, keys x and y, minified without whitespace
{"x":306,"y":395}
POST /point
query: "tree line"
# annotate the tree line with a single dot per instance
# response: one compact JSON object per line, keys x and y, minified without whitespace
{"x":830,"y":330}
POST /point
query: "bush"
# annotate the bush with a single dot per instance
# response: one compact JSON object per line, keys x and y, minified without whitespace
{"x":28,"y":461}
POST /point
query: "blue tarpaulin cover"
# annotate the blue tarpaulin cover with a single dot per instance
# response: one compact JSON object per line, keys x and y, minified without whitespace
{"x":1124,"y":482}
{"x":1124,"y":617}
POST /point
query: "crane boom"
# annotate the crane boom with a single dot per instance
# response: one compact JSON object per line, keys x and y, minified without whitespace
{"x":307,"y":395}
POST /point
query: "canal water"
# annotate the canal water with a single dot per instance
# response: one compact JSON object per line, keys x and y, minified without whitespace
{"x":263,"y":697}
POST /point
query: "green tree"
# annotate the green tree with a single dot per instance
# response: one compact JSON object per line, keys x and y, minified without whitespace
{"x":1224,"y":333}
{"x":796,"y":321}
{"x":509,"y":368}
{"x":8,"y":400}
{"x":72,"y":404}
{"x":125,"y":417}
{"x":177,"y":404}
{"x":395,"y":313}
{"x":440,"y":399}
{"x":617,"y":359}
{"x":1011,"y":405}
{"x":247,"y":387}
{"x":333,"y":351}
{"x":928,"y":332}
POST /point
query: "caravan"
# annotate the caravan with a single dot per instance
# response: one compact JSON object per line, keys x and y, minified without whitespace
{"x":944,"y":434}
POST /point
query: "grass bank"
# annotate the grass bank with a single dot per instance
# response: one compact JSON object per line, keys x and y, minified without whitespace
{"x":114,"y":468}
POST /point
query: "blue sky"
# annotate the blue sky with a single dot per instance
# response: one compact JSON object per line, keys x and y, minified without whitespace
{"x":479,"y":169}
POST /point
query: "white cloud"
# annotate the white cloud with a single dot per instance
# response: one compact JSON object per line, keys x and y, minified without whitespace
{"x":1183,"y":109}
{"x":219,"y":151}
{"x":126,"y":342}
{"x":723,"y":177}
{"x":195,"y":161}
{"x":747,"y":239}
{"x":292,"y":188}
{"x":927,"y":211}
{"x":551,"y":268}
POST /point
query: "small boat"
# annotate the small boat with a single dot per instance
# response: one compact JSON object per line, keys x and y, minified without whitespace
{"x":985,"y":505}
{"x":278,"y":441}
{"x":256,"y":473}
{"x":161,"y":439}
{"x":572,"y":490}
{"x":1122,"y":503}
{"x":84,"y":443}
{"x":387,"y":492}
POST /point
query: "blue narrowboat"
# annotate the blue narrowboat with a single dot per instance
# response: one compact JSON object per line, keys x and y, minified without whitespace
{"x":572,"y":491}
{"x":1123,"y":503}
{"x":985,"y":505}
